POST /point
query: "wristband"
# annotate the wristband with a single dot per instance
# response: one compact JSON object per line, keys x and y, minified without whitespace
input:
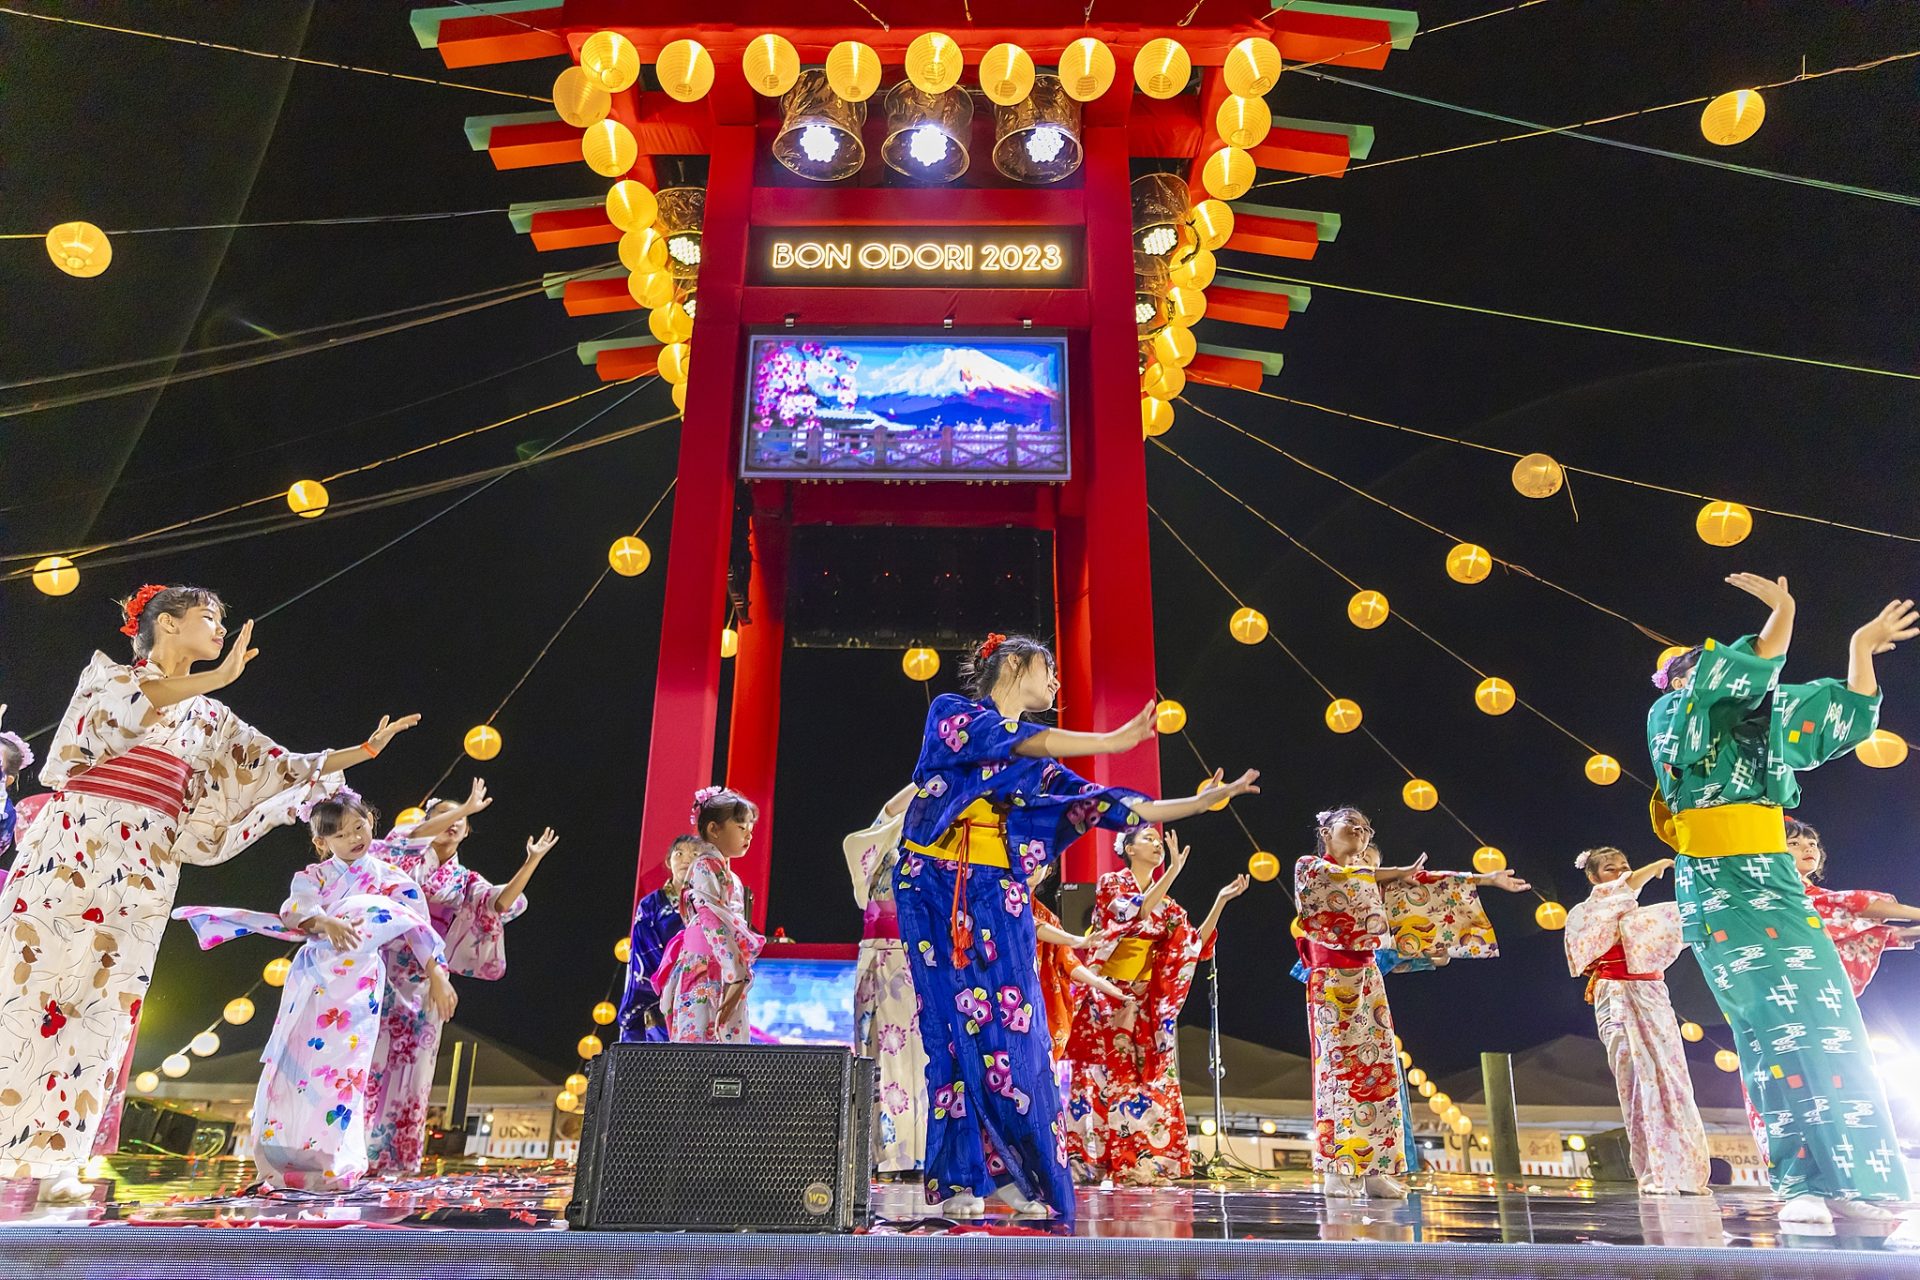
{"x":369,"y":748}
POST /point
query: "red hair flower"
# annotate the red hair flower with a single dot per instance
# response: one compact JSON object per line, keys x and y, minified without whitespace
{"x":136,"y":604}
{"x":993,"y":641}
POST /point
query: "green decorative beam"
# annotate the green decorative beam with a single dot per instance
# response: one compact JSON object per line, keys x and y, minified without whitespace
{"x":1359,"y":136}
{"x":1403,"y":23}
{"x":1297,"y":295}
{"x":480,"y":128}
{"x":1328,"y":223}
{"x":521,"y":212}
{"x":555,"y":282}
{"x":426,"y":22}
{"x":1269,"y":361}
{"x":590,"y":351}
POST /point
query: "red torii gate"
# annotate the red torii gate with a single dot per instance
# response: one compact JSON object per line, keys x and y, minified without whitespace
{"x":1098,"y":519}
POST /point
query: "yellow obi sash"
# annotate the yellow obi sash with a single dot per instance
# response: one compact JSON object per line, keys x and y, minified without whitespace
{"x":1131,"y":961}
{"x":1721,"y":831}
{"x":980,"y":829}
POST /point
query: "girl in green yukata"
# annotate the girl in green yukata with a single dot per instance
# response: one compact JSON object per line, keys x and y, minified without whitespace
{"x":1727,"y":739}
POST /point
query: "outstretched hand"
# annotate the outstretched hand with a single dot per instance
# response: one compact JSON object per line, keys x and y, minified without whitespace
{"x":239,"y":654}
{"x":1233,"y":888}
{"x":1897,"y":622}
{"x":1508,"y":881}
{"x":1244,"y":785}
{"x":1177,"y":854}
{"x":538,"y":846}
{"x":477,"y":798}
{"x":1133,"y":732}
{"x":1772,"y":593}
{"x":387,"y":729}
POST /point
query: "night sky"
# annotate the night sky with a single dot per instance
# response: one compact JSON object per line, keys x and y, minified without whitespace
{"x":135,"y":133}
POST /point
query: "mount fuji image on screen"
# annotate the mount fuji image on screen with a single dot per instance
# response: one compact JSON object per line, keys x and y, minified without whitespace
{"x":884,"y":407}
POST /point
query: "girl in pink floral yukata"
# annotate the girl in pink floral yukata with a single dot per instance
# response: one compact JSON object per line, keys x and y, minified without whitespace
{"x":706,"y":970}
{"x":1863,"y":923}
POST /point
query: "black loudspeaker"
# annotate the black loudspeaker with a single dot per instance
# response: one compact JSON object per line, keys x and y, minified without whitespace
{"x":722,"y":1137}
{"x":1610,"y":1156}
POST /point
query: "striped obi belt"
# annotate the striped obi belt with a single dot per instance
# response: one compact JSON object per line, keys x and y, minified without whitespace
{"x":978,"y":835}
{"x":1612,"y":967}
{"x":881,"y":921}
{"x":146,"y":776}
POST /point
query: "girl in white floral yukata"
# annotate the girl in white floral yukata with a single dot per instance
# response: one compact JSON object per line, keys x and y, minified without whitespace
{"x":468,"y":912}
{"x":149,"y":773}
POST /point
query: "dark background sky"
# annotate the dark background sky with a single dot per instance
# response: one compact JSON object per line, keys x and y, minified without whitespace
{"x":132,"y":133}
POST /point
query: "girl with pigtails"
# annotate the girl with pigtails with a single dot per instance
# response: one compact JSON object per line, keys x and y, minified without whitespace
{"x":991,"y":804}
{"x":706,"y":969}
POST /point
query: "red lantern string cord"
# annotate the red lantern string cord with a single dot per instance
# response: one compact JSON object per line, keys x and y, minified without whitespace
{"x":1422,"y":632}
{"x":276,"y":57}
{"x":1514,"y":453}
{"x":554,"y":638}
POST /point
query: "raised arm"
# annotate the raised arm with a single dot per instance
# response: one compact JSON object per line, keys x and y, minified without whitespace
{"x":1898,"y":621}
{"x":1777,"y":634}
{"x":1228,"y":892}
{"x":1639,"y":877}
{"x":1185,"y":807}
{"x":1385,"y":875}
{"x":1156,"y":893}
{"x":1066,"y":744}
{"x":477,"y":799}
{"x":167,"y":690}
{"x":537,"y":848}
{"x":1889,"y":910}
{"x":376,"y":743}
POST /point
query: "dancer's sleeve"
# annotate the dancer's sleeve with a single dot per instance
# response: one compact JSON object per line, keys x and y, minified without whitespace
{"x":961,"y":732}
{"x":253,"y":785}
{"x":475,"y":939}
{"x":1822,"y":719}
{"x":1061,"y":809}
{"x":304,"y":900}
{"x":732,"y":946}
{"x":1727,"y":686}
{"x":105,"y":718}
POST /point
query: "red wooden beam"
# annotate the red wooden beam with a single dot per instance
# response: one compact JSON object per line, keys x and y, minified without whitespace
{"x":1238,"y":306}
{"x":811,"y":206}
{"x":487,"y":39}
{"x":968,"y":308}
{"x":523,"y":146}
{"x":572,"y":228}
{"x":1223,"y":371}
{"x":1302,"y":151}
{"x":603,"y":297}
{"x":1329,"y":38}
{"x":632,"y":362}
{"x":1275,"y":237}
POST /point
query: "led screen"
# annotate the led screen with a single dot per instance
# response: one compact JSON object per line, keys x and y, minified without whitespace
{"x":801,"y":1001}
{"x":974,"y":407}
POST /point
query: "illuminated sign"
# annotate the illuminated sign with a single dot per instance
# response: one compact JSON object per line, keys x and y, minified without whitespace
{"x":917,"y":257}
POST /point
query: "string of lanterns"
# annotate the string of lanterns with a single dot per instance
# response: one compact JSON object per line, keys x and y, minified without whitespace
{"x":237,"y":1012}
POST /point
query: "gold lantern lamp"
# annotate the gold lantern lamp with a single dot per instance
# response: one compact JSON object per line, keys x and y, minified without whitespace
{"x":1213,"y":223}
{"x":1036,"y":141}
{"x":1883,"y":749}
{"x":853,"y":70}
{"x":1550,"y":916}
{"x":1195,"y":270}
{"x":771,"y":65}
{"x":1248,"y":625}
{"x":1228,"y":173}
{"x":1367,"y":609}
{"x":483,"y":742}
{"x":579,"y":100}
{"x":631,"y":206}
{"x":934,"y":63}
{"x":1162,"y":68}
{"x":1252,"y":67}
{"x":1343,"y":715}
{"x":1538,"y":475}
{"x":1487,"y":860}
{"x":651,"y":287}
{"x":927,"y":131}
{"x":1163,"y":381}
{"x":1419,"y":795}
{"x":55,"y":576}
{"x":1169,"y":716}
{"x":920,"y":663}
{"x":1602,"y":769}
{"x":1243,"y":122}
{"x":1494,"y":696}
{"x":1006,"y":75}
{"x":1186,"y":307}
{"x":675,"y":362}
{"x":605,"y":1012}
{"x":729,"y":642}
{"x":1723,"y":524}
{"x":1263,"y":866}
{"x":307,"y":498}
{"x":609,"y":148}
{"x":1156,"y":417}
{"x":1087,"y":69}
{"x":1732,"y":117}
{"x":80,"y":249}
{"x":629,"y":557}
{"x":1174,"y":345}
{"x":685,"y":70}
{"x":609,"y":61}
{"x":670,"y":323}
{"x":1469,"y":563}
{"x":819,"y":136}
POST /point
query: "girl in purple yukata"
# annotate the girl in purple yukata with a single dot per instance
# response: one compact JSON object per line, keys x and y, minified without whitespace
{"x":708,"y":966}
{"x":468,"y":912}
{"x":369,"y":945}
{"x":656,"y":922}
{"x":991,"y":804}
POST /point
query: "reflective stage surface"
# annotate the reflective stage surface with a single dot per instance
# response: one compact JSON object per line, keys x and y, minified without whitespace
{"x":157,"y":1217}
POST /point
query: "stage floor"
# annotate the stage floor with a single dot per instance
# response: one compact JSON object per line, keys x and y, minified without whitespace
{"x":166,"y":1217}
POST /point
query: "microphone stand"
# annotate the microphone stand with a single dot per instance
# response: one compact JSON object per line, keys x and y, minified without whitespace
{"x":1220,"y":1165}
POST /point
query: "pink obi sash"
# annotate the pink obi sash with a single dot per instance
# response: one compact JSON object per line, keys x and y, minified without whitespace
{"x":882,"y":921}
{"x":145,"y":776}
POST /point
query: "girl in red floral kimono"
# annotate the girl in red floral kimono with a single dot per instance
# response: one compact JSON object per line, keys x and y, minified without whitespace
{"x":1861,"y":922}
{"x":1128,"y":1123}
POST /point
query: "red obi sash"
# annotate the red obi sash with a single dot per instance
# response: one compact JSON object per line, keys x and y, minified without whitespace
{"x":1612,"y":967}
{"x":1318,"y":956}
{"x":881,"y":921}
{"x":145,"y":776}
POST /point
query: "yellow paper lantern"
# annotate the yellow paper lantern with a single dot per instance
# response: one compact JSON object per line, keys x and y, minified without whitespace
{"x":1469,"y":563}
{"x":1438,"y":1103}
{"x":1208,"y":784}
{"x":1462,"y":1125}
{"x":772,"y":64}
{"x":610,"y":61}
{"x":679,"y":396}
{"x":55,"y":575}
{"x":1416,"y":1078}
{"x":685,"y":70}
{"x":1494,"y":696}
{"x":629,"y":556}
{"x":1723,"y":524}
{"x":175,"y":1065}
{"x":1727,"y":1060}
{"x":1343,"y":715}
{"x":1602,"y":770}
{"x":605,"y":1012}
{"x":79,"y":249}
{"x":1174,"y":345}
{"x":1186,"y":307}
{"x":1263,"y":866}
{"x":204,"y":1045}
{"x":1252,"y":67}
{"x":1883,"y":750}
{"x":579,"y":99}
{"x":1248,"y":626}
{"x":1156,"y":416}
{"x":853,"y":70}
{"x":1086,"y":69}
{"x":590,"y":1045}
{"x":1195,"y":271}
{"x":643,"y":252}
{"x":1213,"y":223}
{"x":1419,"y":794}
{"x":239,"y":1011}
{"x":1406,"y":1059}
{"x":307,"y":498}
{"x":934,"y":62}
{"x":1162,"y":68}
{"x":1451,"y":1115}
{"x":275,"y":974}
{"x":670,"y":323}
{"x":1006,"y":74}
{"x":1487,"y":860}
{"x":1169,"y":716}
{"x":631,"y":205}
{"x":1732,"y":117}
{"x":609,"y":148}
{"x":1538,"y":476}
{"x":146,"y":1082}
{"x":1163,"y":381}
{"x":410,"y":817}
{"x":920,"y":663}
{"x":1428,"y":1089}
{"x":566,"y":1100}
{"x":1367,"y":609}
{"x":1550,"y":915}
{"x":674,"y":359}
{"x":1668,"y":654}
{"x":1692,"y":1032}
{"x":483,"y":742}
{"x":1243,"y":122}
{"x":1228,"y":173}
{"x":623,"y":950}
{"x":729,"y":642}
{"x":577,"y":1084}
{"x":653,"y":287}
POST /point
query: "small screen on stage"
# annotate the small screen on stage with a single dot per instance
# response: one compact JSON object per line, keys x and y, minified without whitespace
{"x":801,"y":1001}
{"x":952,"y":407}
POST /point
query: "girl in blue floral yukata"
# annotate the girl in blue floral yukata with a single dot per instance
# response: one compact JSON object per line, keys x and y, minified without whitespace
{"x":992,"y":803}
